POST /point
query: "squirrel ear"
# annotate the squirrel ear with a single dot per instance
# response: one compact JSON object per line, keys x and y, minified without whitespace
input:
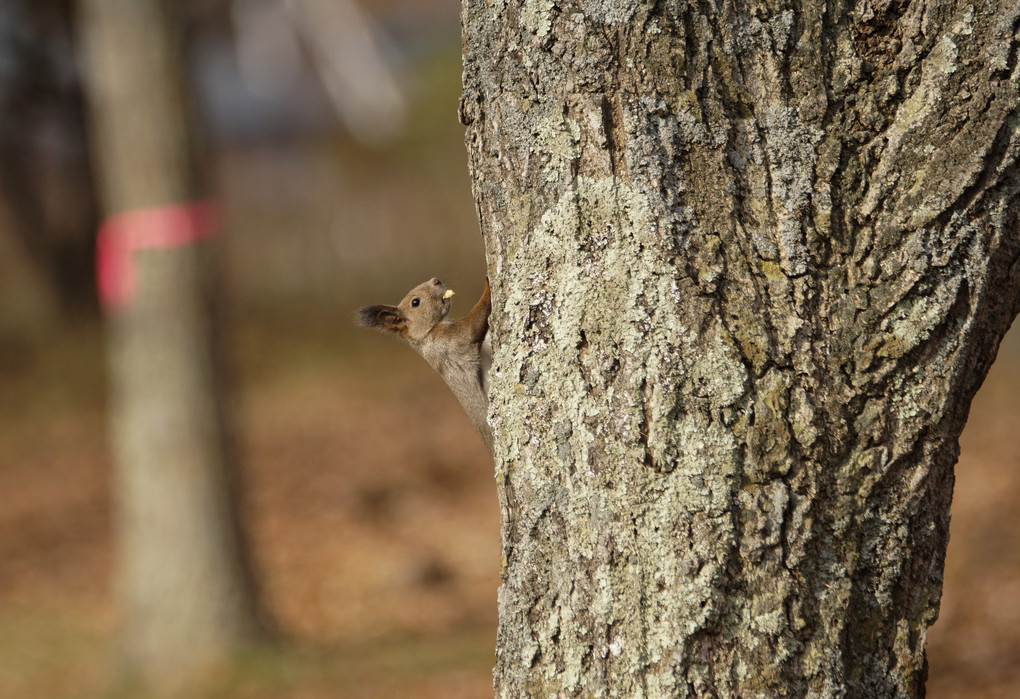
{"x":382,"y":318}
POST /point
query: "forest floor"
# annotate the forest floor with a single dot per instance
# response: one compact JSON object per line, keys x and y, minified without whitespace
{"x":372,"y":514}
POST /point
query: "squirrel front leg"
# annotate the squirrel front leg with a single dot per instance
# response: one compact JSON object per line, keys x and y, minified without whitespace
{"x":458,"y":352}
{"x":475,"y":324}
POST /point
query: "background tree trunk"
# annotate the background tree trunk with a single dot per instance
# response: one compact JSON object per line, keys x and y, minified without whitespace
{"x":750,"y":262}
{"x":46,"y":190}
{"x":184,"y":585}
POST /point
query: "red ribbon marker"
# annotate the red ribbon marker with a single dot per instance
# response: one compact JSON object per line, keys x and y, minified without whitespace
{"x":154,"y":228}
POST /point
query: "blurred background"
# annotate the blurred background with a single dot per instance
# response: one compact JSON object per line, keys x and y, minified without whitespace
{"x":332,"y":145}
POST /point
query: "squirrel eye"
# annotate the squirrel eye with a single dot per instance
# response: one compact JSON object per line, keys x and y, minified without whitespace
{"x":415,"y":301}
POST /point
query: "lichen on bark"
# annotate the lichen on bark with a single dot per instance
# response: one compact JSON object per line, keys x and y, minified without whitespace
{"x":750,"y":261}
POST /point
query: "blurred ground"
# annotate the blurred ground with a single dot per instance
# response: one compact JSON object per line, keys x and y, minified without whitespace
{"x":370,"y":500}
{"x":375,"y":525}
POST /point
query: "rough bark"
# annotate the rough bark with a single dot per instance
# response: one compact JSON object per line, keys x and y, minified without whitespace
{"x":183,"y":584}
{"x":749,"y":263}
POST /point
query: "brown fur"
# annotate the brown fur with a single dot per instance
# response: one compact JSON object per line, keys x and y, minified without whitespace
{"x":455,"y":349}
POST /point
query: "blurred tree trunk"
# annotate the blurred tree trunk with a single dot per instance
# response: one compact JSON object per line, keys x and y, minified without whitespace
{"x":750,"y":262}
{"x":184,"y":583}
{"x":45,"y":184}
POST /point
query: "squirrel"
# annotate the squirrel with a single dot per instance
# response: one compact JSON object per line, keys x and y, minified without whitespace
{"x":456,"y":349}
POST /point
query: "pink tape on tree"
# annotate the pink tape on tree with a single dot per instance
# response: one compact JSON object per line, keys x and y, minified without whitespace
{"x":155,"y":228}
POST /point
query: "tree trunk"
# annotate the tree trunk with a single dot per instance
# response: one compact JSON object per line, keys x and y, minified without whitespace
{"x":46,"y":188}
{"x":184,"y":586}
{"x":750,"y":262}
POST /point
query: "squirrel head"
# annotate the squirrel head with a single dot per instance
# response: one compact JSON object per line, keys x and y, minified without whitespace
{"x":424,"y":307}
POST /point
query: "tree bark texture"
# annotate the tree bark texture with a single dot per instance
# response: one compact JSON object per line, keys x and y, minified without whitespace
{"x":183,"y":581}
{"x":750,"y":261}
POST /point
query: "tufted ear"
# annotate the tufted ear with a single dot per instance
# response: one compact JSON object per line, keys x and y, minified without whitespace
{"x":382,"y":318}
